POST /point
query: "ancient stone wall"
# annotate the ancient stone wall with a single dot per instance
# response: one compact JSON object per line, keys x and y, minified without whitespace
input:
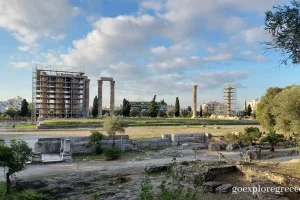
{"x":81,"y":144}
{"x":271,"y":176}
{"x":48,"y":145}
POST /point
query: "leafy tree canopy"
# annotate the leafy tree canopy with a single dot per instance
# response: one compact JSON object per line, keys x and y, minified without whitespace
{"x":113,"y":125}
{"x":283,"y":25}
{"x":14,"y":158}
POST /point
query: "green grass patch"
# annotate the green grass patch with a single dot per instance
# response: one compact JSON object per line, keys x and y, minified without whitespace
{"x":72,"y":123}
{"x":18,"y":195}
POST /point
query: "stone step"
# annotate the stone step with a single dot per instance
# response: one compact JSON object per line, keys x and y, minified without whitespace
{"x":51,"y":157}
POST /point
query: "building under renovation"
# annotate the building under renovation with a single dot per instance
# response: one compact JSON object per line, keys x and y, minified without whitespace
{"x":59,"y":93}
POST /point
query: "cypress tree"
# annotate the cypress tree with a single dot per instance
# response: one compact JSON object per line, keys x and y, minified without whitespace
{"x":126,"y":108}
{"x":201,"y":112}
{"x":177,"y":108}
{"x":95,"y":107}
{"x":152,"y":108}
{"x":249,"y":110}
{"x":24,"y":108}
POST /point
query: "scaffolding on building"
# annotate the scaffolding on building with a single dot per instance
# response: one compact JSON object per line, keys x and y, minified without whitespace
{"x":230,"y":100}
{"x":59,"y":92}
{"x":230,"y":106}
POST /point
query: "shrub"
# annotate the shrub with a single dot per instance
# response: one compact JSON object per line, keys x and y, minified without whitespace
{"x":287,"y":144}
{"x":112,"y":154}
{"x":99,"y":150}
{"x":30,"y":195}
{"x":95,"y":138}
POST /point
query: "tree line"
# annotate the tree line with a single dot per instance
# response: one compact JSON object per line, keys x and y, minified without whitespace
{"x":13,"y":113}
{"x":151,"y":111}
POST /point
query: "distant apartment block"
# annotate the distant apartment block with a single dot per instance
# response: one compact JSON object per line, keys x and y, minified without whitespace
{"x":14,"y":103}
{"x":211,"y":107}
{"x":58,"y":93}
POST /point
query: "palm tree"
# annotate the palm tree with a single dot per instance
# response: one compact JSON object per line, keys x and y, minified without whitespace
{"x":272,"y":138}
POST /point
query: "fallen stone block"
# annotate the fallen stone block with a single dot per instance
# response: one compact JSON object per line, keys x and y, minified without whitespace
{"x":211,"y":186}
{"x":225,"y":188}
{"x":231,"y":147}
{"x":156,"y":169}
{"x":214,"y":147}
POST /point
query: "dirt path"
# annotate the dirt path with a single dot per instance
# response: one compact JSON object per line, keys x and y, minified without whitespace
{"x":112,"y":166}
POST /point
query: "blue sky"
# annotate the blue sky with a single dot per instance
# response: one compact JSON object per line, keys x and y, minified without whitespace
{"x":150,"y":47}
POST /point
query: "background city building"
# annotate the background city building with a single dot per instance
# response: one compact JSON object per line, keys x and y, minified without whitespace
{"x":253,"y":104}
{"x":14,"y":103}
{"x":211,"y":107}
{"x":59,"y":94}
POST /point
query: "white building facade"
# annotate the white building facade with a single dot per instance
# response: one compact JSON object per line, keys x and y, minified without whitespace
{"x":253,"y":104}
{"x":210,"y":107}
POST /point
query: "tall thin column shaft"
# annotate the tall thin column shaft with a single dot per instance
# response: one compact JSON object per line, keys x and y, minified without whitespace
{"x":194,"y":101}
{"x":112,"y":98}
{"x":100,"y":82}
{"x":87,"y":98}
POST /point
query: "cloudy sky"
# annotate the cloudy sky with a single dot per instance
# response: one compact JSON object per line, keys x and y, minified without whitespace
{"x":150,"y":47}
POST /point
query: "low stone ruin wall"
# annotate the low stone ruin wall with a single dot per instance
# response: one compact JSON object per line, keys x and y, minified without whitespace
{"x":48,"y":145}
{"x":213,"y":172}
{"x":178,"y":139}
{"x":271,"y":176}
{"x":82,"y":145}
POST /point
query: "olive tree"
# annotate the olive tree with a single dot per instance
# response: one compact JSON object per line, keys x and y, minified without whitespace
{"x":14,"y":158}
{"x":283,"y":25}
{"x":95,"y":138}
{"x":114,"y":125}
{"x":286,"y":111}
{"x":272,"y":138}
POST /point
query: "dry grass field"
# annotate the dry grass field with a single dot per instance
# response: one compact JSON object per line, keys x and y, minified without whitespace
{"x":143,"y":132}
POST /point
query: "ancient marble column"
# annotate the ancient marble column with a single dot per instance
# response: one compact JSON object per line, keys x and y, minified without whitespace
{"x":67,"y":155}
{"x":67,"y":146}
{"x":194,"y":101}
{"x":87,"y":98}
{"x":112,"y":98}
{"x":100,"y":83}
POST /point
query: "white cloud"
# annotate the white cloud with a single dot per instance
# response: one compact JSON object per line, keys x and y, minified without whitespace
{"x":177,"y":63}
{"x":153,"y":4}
{"x":252,"y":36}
{"x":24,"y":48}
{"x":31,"y":20}
{"x":217,"y":79}
{"x":159,"y":50}
{"x":219,"y":57}
{"x":111,"y":41}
